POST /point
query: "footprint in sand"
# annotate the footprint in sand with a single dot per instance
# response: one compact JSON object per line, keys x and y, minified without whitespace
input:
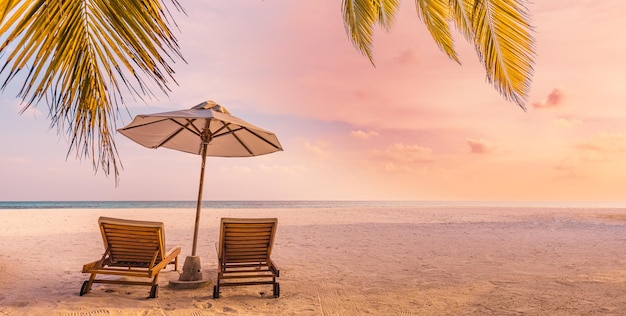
{"x":227,"y":309}
{"x":202,"y":305}
{"x":100,"y":312}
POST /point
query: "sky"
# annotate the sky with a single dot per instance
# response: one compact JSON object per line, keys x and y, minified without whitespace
{"x":418,"y":126}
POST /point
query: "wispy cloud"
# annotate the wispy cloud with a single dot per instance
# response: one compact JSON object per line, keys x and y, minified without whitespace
{"x":242,"y":169}
{"x":15,"y":160}
{"x":601,"y":147}
{"x":554,"y":99}
{"x":319,"y":149}
{"x":565,"y":164}
{"x":407,"y":57}
{"x":566,"y":121}
{"x":17,"y":106}
{"x":604,"y":143}
{"x":288,"y":169}
{"x":406,"y":154}
{"x":481,"y":146}
{"x":569,"y":167}
{"x":364,"y":134}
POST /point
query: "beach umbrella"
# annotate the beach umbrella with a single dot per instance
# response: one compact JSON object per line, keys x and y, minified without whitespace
{"x":207,"y":129}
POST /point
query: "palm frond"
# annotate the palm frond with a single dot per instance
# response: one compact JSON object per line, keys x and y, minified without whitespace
{"x":436,"y":14}
{"x":387,"y":10}
{"x":505,"y":46}
{"x":5,"y":8}
{"x":79,"y":56}
{"x":499,"y":30}
{"x":360,"y":17}
{"x":461,"y":15}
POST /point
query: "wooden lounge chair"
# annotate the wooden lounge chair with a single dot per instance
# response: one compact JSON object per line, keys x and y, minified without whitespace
{"x":132,"y":249}
{"x":243,"y":252}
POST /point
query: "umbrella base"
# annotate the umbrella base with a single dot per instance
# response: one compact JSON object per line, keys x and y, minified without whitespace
{"x":192,"y":277}
{"x":187,"y":285}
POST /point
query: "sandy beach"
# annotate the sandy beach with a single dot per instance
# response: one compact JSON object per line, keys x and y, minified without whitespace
{"x":402,"y":261}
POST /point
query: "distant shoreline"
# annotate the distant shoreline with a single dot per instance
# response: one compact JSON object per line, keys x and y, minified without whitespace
{"x":256,"y":204}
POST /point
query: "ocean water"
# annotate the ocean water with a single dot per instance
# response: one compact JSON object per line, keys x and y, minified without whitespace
{"x":295,"y":204}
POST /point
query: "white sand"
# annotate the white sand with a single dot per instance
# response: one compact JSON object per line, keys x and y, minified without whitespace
{"x":426,"y":261}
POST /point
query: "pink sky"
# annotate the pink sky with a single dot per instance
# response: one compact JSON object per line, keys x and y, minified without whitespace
{"x":416,"y":127}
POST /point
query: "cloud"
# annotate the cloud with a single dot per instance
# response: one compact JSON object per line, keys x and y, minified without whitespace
{"x":565,"y":165}
{"x":594,"y":156}
{"x":33,"y":111}
{"x":294,"y":170}
{"x":15,"y":160}
{"x":406,"y":57}
{"x":364,"y":135}
{"x":21,"y":107}
{"x":56,"y":171}
{"x":602,"y":147}
{"x":242,"y":169}
{"x":318,"y":149}
{"x":553,"y":99}
{"x":480,"y":146}
{"x":237,"y":169}
{"x":568,"y":167}
{"x":361,"y":95}
{"x":604,"y":143}
{"x":404,"y":154}
{"x":566,"y":121}
{"x":390,"y":166}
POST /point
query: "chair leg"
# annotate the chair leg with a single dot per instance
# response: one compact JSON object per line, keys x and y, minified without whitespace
{"x":216,"y":288}
{"x":154,"y":289}
{"x":86,"y":287}
{"x":276,"y":289}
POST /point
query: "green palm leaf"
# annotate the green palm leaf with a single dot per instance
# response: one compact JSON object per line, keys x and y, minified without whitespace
{"x":81,"y":57}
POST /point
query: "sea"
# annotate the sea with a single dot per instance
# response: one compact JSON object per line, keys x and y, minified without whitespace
{"x":297,"y":204}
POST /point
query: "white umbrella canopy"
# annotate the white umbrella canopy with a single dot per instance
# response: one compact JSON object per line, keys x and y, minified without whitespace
{"x":207,"y":122}
{"x":207,"y":129}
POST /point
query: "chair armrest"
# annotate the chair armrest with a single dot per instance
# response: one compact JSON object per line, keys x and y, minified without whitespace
{"x":90,"y":266}
{"x":171,"y":255}
{"x":175,"y":262}
{"x":274,"y":268}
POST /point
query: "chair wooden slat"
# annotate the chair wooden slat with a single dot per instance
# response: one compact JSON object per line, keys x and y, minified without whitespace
{"x":244,"y":252}
{"x":133,"y":248}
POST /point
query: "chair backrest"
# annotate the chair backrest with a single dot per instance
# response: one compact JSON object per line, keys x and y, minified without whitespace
{"x":133,"y":241}
{"x":245,"y":240}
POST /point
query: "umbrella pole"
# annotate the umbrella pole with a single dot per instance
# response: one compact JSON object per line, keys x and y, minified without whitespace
{"x":192,"y":275}
{"x":199,"y":205}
